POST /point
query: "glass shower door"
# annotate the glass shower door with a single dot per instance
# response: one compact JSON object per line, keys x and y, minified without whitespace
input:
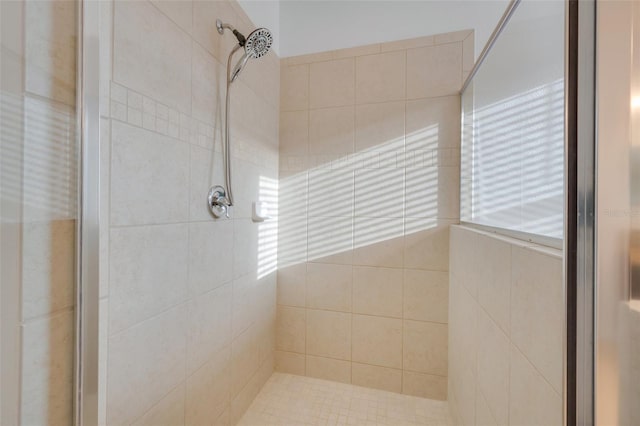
{"x":617,"y":312}
{"x":38,"y":211}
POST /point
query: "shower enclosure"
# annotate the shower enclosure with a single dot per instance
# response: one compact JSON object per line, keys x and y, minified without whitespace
{"x":124,"y":300}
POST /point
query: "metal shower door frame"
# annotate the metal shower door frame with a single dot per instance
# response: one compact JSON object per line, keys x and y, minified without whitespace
{"x":87,"y":276}
{"x":580,"y":218}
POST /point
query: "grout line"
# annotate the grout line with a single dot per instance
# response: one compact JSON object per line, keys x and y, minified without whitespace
{"x":175,"y":306}
{"x":48,"y":316}
{"x":178,"y":26}
{"x":156,"y":403}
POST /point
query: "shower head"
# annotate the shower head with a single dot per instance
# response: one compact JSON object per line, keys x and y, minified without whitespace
{"x":255,"y":46}
{"x":258,"y":43}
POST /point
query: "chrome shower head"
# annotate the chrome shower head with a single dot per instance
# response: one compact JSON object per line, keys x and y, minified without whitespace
{"x":256,"y":46}
{"x":258,"y":43}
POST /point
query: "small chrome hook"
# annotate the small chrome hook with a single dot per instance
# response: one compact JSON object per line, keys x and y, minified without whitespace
{"x":218,"y":202}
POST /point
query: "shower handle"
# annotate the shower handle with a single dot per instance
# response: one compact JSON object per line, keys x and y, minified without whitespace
{"x":218,"y":202}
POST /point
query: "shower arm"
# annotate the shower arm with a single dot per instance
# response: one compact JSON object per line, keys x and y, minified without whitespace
{"x":220,"y":26}
{"x":227,"y":140}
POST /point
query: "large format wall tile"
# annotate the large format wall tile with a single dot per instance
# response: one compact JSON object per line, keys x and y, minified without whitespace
{"x":245,"y":360}
{"x":48,"y":267}
{"x":338,"y":182}
{"x":380,"y":126}
{"x":424,"y":385}
{"x":47,"y":370}
{"x":537,"y":311}
{"x":179,"y":11}
{"x":426,"y":295}
{"x":377,"y":291}
{"x":332,"y":131}
{"x":292,"y":284}
{"x":208,"y":389}
{"x":155,"y":281}
{"x":244,"y":304}
{"x":463,"y":326}
{"x":208,"y":85}
{"x":147,"y":170}
{"x":294,"y":133}
{"x":245,"y":247}
{"x":145,"y":363}
{"x":329,"y":334}
{"x":369,"y":183}
{"x":377,"y":341}
{"x":294,"y":88}
{"x":433,"y":123}
{"x":328,"y":369}
{"x":50,"y":161}
{"x":368,"y":189}
{"x":532,"y":401}
{"x":380,"y":78}
{"x":483,"y":413}
{"x":151,"y":54}
{"x":291,"y":363}
{"x":494,"y":272}
{"x":371,"y":376}
{"x":208,"y":326}
{"x":433,"y":192}
{"x":505,"y":330}
{"x":329,"y":287}
{"x":330,"y":240}
{"x":291,"y":329}
{"x":210,"y":260}
{"x":465,"y":252}
{"x":50,"y":50}
{"x":444,"y":77}
{"x":493,"y":367}
{"x":425,"y":347}
{"x":170,"y":410}
{"x":332,"y":83}
{"x":378,"y":242}
{"x":426,"y":244}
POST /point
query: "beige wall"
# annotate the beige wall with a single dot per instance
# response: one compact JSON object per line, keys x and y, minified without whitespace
{"x":369,"y":181}
{"x":187,"y":302}
{"x":506,"y":321}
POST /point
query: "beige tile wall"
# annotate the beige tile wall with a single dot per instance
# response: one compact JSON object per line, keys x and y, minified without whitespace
{"x":369,"y":166}
{"x":506,"y":316}
{"x":187,"y":302}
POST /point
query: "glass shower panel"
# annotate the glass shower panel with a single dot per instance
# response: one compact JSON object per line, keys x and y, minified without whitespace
{"x":617,"y":310}
{"x":38,"y":210}
{"x":513,"y":121}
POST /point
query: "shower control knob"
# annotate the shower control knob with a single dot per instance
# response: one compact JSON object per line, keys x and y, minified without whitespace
{"x":218,"y":202}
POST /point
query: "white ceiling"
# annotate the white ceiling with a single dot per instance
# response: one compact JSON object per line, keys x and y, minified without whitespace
{"x":309,"y":26}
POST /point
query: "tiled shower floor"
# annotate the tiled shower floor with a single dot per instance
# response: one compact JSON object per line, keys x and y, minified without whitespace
{"x":295,"y":400}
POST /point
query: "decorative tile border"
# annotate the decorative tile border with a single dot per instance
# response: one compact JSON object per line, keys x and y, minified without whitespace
{"x":142,"y":111}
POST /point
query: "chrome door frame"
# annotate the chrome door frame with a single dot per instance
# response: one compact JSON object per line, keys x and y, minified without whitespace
{"x":580,"y":218}
{"x":87,"y":277}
